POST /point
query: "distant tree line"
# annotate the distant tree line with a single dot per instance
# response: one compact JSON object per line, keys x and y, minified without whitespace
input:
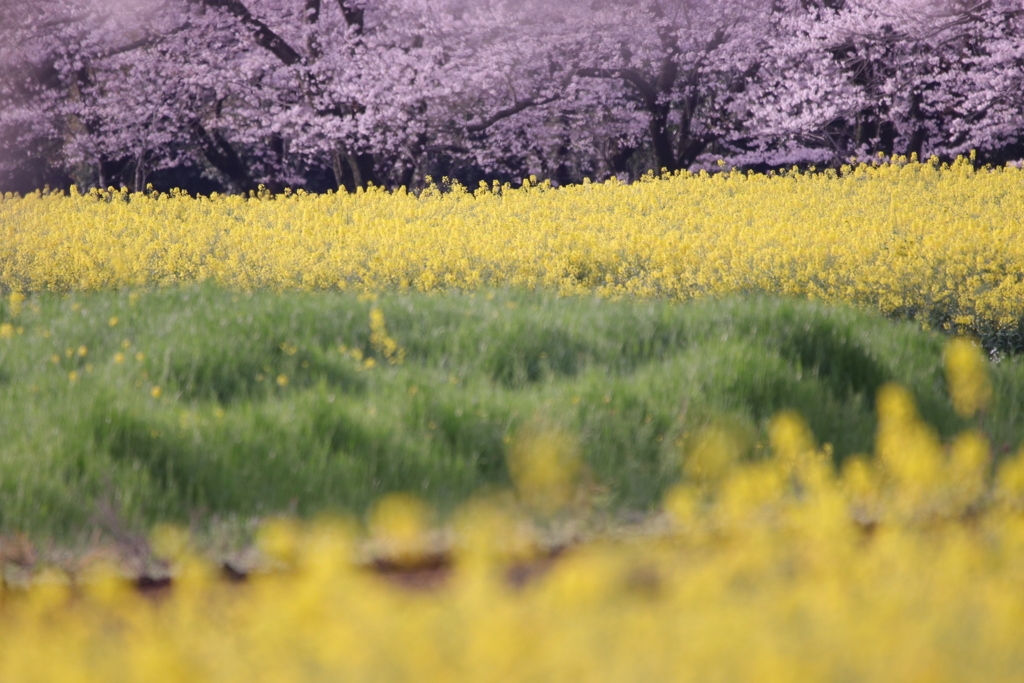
{"x":226,"y":95}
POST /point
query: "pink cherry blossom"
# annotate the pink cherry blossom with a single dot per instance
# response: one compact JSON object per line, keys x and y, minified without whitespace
{"x":343,"y":93}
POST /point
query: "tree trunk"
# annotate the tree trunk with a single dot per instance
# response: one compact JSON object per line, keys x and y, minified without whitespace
{"x":140,"y":173}
{"x":661,"y":141}
{"x":219,"y":152}
{"x":352,"y":171}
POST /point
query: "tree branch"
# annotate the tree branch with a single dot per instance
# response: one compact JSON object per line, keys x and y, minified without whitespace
{"x":219,"y":152}
{"x":522,"y":105}
{"x":353,"y":16}
{"x":631,"y":76}
{"x":148,"y":41}
{"x":264,"y":36}
{"x":312,"y":11}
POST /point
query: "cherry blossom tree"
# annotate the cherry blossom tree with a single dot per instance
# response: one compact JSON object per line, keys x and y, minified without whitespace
{"x":928,"y":77}
{"x":193,"y":83}
{"x":591,"y":87}
{"x":38,"y":44}
{"x":342,"y":93}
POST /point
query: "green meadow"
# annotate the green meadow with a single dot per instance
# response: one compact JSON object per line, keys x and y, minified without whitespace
{"x":196,"y":405}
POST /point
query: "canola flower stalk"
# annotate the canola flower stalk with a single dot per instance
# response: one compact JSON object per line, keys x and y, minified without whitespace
{"x":967,"y":377}
{"x":939,"y":243}
{"x":544,"y":465}
{"x":399,"y":524}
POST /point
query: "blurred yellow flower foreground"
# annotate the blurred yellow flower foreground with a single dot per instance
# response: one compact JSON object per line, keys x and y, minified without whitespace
{"x":943,"y":244}
{"x":908,"y":566}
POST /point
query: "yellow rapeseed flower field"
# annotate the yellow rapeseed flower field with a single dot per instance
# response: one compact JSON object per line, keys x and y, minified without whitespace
{"x":906,"y":567}
{"x":944,"y":244}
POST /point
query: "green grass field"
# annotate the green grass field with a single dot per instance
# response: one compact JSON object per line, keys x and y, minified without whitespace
{"x":200,"y":404}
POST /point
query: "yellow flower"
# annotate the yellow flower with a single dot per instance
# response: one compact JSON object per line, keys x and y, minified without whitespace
{"x":16,"y":300}
{"x":544,"y":463}
{"x":967,"y":377}
{"x":895,"y":236}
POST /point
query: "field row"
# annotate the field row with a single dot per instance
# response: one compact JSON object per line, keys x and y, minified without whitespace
{"x":942,"y":245}
{"x":901,"y":569}
{"x":174,"y":402}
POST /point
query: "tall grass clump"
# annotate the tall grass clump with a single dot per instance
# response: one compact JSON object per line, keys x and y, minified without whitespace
{"x":170,"y":403}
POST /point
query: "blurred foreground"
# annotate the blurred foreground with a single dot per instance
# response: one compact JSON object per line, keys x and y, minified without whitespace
{"x":904,"y":567}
